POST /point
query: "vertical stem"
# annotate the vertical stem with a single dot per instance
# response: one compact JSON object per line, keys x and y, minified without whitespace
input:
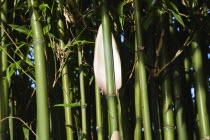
{"x":142,"y":72}
{"x":40,"y":73}
{"x":109,"y":68}
{"x":168,"y":120}
{"x":99,"y":121}
{"x":199,"y":80}
{"x":65,"y":78}
{"x":4,"y":127}
{"x":180,"y":117}
{"x":138,"y":111}
{"x":82,"y":93}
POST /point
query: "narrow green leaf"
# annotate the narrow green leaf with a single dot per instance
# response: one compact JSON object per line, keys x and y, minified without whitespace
{"x":91,"y":80}
{"x":120,"y":12}
{"x":22,"y":29}
{"x":82,"y":42}
{"x":10,"y":71}
{"x":25,"y":132}
{"x":77,"y":104}
{"x":175,"y":12}
{"x":46,"y":29}
{"x":43,"y":7}
{"x":28,"y":61}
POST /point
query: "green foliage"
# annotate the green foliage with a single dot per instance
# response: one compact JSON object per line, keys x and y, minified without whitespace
{"x":174,"y":10}
{"x":81,"y":20}
{"x":25,"y":132}
{"x":77,"y":104}
{"x":22,"y":29}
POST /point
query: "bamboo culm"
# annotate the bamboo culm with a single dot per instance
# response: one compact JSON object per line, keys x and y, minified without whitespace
{"x":40,"y":73}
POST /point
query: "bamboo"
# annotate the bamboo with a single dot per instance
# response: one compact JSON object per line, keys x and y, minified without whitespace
{"x":177,"y":90}
{"x":4,"y":127}
{"x":109,"y":70}
{"x":199,"y":81}
{"x":11,"y":114}
{"x":82,"y":94}
{"x":99,"y":121}
{"x":168,"y":120}
{"x":142,"y":72}
{"x":65,"y":77}
{"x":138,"y":110}
{"x":179,"y":109}
{"x":40,"y":73}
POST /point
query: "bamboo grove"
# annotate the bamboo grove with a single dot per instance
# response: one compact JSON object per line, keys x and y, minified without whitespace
{"x":98,"y":70}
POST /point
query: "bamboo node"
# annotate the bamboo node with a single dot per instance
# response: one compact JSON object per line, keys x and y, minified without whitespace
{"x":84,"y":106}
{"x":139,"y":118}
{"x":99,"y":128}
{"x":112,"y":95}
{"x":205,"y":138}
{"x":169,"y":127}
{"x":38,"y":40}
{"x":178,"y":97}
{"x":140,"y":48}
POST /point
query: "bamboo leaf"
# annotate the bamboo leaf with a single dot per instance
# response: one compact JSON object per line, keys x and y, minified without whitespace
{"x":10,"y":71}
{"x":25,"y":132}
{"x":22,"y":29}
{"x":77,"y":104}
{"x":46,"y":29}
{"x":120,"y":12}
{"x":174,"y":10}
{"x":28,"y":61}
{"x":91,"y":80}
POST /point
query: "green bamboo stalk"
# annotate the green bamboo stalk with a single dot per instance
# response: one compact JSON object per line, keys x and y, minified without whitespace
{"x":168,"y":120}
{"x":142,"y":72}
{"x":4,"y":127}
{"x":177,"y":90}
{"x":109,"y":69}
{"x":82,"y":94}
{"x":180,"y":117}
{"x":199,"y":80}
{"x":138,"y":111}
{"x":40,"y":73}
{"x":65,"y":78}
{"x":11,"y":114}
{"x":99,"y":121}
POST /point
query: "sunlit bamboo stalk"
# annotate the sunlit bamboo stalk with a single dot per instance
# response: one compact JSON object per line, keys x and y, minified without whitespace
{"x":65,"y":77}
{"x":99,"y":121}
{"x":109,"y":70}
{"x":40,"y":72}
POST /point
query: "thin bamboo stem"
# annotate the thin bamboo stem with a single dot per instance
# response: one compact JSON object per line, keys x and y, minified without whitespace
{"x":65,"y":78}
{"x":109,"y":69}
{"x":4,"y":126}
{"x":40,"y":73}
{"x":99,"y":121}
{"x":82,"y":94}
{"x":168,"y":120}
{"x":142,"y":72}
{"x":138,"y":110}
{"x":179,"y":109}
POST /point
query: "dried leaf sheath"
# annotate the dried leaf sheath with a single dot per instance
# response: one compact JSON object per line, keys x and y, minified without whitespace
{"x":99,"y":63}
